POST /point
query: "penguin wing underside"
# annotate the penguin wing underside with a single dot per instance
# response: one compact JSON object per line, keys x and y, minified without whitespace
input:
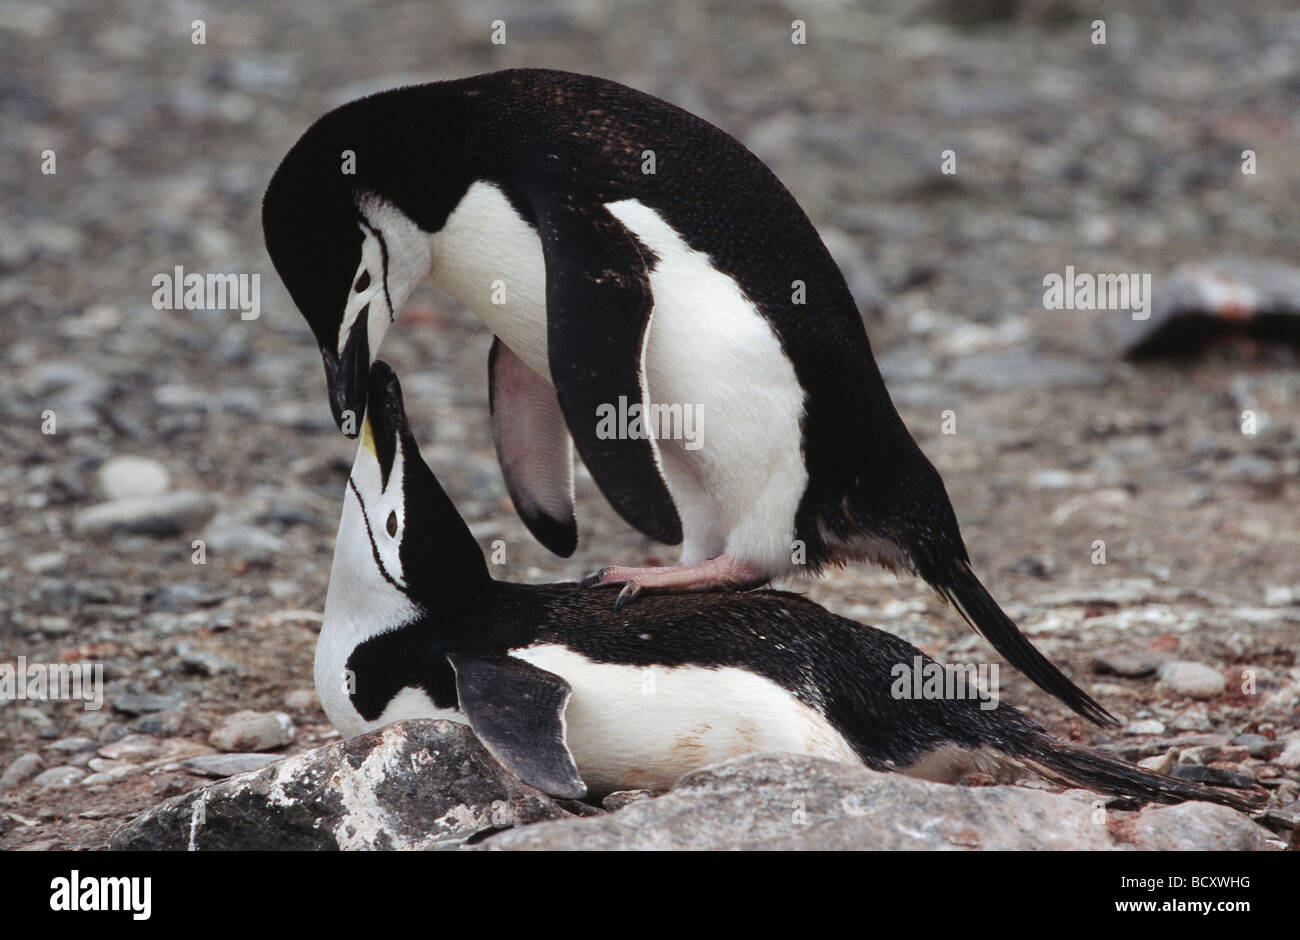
{"x":517,"y":711}
{"x":598,"y":306}
{"x":533,"y":448}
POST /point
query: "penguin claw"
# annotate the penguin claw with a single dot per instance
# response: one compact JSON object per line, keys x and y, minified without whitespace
{"x":596,"y":580}
{"x":626,"y":596}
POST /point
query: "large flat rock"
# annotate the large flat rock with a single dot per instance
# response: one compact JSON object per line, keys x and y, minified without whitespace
{"x":413,"y":785}
{"x":788,"y":801}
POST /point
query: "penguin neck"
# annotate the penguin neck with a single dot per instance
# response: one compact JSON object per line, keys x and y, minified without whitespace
{"x":443,"y":563}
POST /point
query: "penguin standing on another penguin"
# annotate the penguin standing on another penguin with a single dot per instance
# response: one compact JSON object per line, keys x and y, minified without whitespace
{"x":579,"y":699}
{"x":627,"y":255}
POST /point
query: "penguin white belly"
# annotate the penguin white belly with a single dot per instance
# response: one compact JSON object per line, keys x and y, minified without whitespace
{"x":645,"y":726}
{"x":738,"y":478}
{"x":738,"y":485}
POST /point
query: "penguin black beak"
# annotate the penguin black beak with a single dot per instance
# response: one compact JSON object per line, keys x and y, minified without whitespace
{"x":348,"y":377}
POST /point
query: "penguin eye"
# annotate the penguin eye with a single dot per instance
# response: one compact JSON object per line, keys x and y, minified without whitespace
{"x":392,"y":523}
{"x":362,"y":282}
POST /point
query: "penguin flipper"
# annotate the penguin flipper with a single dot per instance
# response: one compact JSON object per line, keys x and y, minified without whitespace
{"x":598,"y":306}
{"x":517,"y":711}
{"x":533,"y":448}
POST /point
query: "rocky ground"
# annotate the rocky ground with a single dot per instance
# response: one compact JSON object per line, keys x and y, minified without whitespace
{"x":176,"y":426}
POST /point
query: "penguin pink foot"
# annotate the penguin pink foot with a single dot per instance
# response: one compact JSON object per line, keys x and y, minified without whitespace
{"x":720,"y":573}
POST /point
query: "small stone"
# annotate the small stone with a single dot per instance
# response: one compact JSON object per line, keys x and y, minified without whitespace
{"x":38,"y":721}
{"x":1280,"y":595}
{"x":137,"y":747}
{"x":1161,"y":763}
{"x":1290,"y":756}
{"x":20,"y":770}
{"x":1128,"y":661}
{"x":74,"y":745}
{"x":133,"y":704}
{"x":184,"y":595}
{"x":50,"y":625}
{"x":1145,"y":726}
{"x":128,"y":477}
{"x":1195,"y":680}
{"x":227,"y":765}
{"x":1284,"y":817}
{"x":253,"y":731}
{"x":166,"y":514}
{"x":110,"y":775}
{"x":205,"y":663}
{"x":226,"y":538}
{"x":1260,"y":747}
{"x":301,"y":700}
{"x":1192,"y":720}
{"x":45,"y":562}
{"x":57,"y":778}
{"x":1250,"y":468}
{"x":166,"y":722}
{"x":620,"y":798}
{"x":1214,"y":776}
{"x":1213,"y":754}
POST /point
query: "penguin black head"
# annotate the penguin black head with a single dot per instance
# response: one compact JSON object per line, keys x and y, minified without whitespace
{"x":347,"y":217}
{"x":403,"y":550}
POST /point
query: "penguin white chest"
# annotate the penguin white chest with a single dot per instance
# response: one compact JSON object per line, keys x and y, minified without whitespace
{"x":490,"y":259}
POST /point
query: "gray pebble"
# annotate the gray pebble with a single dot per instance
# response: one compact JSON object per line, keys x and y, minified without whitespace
{"x":132,"y":747}
{"x":1145,"y":726}
{"x":226,"y":538}
{"x":74,"y":745}
{"x":301,"y":700}
{"x":1128,"y":661}
{"x":45,"y":562}
{"x":227,"y":765}
{"x":1214,"y":776}
{"x":139,"y":704}
{"x":38,"y":721}
{"x":186,"y":595}
{"x":1290,"y":756}
{"x":1259,"y":746}
{"x":166,"y":514}
{"x":620,"y":798}
{"x":1192,"y":720}
{"x":127,"y":476}
{"x":58,"y":777}
{"x":253,"y":731}
{"x":20,"y":770}
{"x":1195,"y":680}
{"x":166,"y":722}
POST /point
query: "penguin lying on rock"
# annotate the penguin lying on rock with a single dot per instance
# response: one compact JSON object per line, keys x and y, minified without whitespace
{"x":579,"y":699}
{"x":659,"y":301}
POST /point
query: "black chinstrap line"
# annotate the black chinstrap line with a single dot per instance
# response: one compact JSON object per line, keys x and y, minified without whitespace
{"x":374,"y":547}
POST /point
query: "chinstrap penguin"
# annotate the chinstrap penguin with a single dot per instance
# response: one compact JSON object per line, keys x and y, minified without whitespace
{"x":623,"y":251}
{"x":579,"y":699}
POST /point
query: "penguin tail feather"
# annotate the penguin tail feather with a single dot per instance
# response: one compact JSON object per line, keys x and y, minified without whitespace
{"x":972,"y":601}
{"x":1071,"y":765}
